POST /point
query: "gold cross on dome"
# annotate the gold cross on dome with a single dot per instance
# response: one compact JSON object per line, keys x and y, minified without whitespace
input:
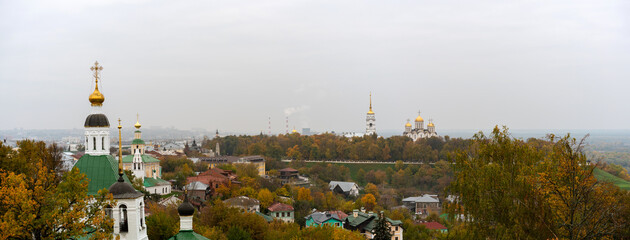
{"x":96,"y":68}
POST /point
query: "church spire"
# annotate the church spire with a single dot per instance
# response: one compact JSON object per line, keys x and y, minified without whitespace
{"x":137,"y":125}
{"x":96,"y":98}
{"x":370,"y":112}
{"x":120,"y":166}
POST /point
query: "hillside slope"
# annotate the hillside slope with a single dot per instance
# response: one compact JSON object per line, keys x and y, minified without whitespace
{"x":602,"y":175}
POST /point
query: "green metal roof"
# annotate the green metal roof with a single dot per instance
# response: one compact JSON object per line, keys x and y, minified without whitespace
{"x":102,"y":171}
{"x":137,"y":131}
{"x":185,"y":235}
{"x":265,"y":216}
{"x":152,"y":182}
{"x":362,"y":217}
{"x":137,"y":141}
{"x":145,"y":158}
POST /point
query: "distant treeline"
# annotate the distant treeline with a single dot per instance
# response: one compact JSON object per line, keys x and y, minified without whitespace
{"x":333,"y":147}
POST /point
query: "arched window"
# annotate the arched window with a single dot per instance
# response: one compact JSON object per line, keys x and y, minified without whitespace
{"x":94,"y":145}
{"x":124,"y":221}
{"x":103,"y":143}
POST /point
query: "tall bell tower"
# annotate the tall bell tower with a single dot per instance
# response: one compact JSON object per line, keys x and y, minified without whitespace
{"x":96,"y":124}
{"x":370,"y":120}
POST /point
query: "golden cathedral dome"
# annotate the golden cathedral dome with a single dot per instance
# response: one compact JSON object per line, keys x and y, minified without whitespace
{"x":419,"y":119}
{"x":430,"y":125}
{"x":294,"y":131}
{"x":408,"y":124}
{"x":97,"y":98}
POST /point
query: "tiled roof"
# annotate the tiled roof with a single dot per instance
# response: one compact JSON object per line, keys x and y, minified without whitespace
{"x":433,"y":225}
{"x":345,"y":186}
{"x":145,"y":158}
{"x":280,"y":207}
{"x":212,"y":175}
{"x":102,"y":171}
{"x":340,"y":214}
{"x":187,"y":235}
{"x":152,"y":182}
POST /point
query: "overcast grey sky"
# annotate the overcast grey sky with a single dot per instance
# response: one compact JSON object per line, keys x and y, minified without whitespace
{"x":232,"y":64}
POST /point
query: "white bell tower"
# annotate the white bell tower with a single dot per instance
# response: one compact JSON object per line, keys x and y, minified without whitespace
{"x":370,"y":120}
{"x":96,"y":124}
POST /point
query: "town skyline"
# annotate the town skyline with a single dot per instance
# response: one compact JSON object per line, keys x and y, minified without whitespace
{"x":198,"y":68}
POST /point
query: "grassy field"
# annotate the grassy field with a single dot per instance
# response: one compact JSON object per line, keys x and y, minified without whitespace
{"x":354,"y":168}
{"x":602,"y":175}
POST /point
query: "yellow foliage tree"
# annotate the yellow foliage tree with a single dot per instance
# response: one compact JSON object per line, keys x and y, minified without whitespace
{"x":265,"y":197}
{"x":42,"y":207}
{"x":304,"y":194}
{"x":369,"y":201}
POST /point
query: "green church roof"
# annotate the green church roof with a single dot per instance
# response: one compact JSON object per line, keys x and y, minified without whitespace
{"x":185,"y":235}
{"x":152,"y":182}
{"x":145,"y":158}
{"x":102,"y":171}
{"x":137,"y":141}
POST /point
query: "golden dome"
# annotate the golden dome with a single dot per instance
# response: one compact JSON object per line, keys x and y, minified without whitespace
{"x":97,"y":98}
{"x":419,"y":119}
{"x":294,"y":131}
{"x":408,"y":124}
{"x":137,"y":125}
{"x":430,"y":125}
{"x":370,"y":112}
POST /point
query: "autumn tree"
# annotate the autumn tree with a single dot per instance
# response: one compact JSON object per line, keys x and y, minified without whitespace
{"x":38,"y":203}
{"x":163,"y":222}
{"x":304,"y":194}
{"x":369,"y":201}
{"x":265,"y":197}
{"x":507,"y":188}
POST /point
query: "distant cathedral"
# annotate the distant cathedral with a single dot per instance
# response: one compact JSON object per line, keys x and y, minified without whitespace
{"x":419,"y":131}
{"x":370,"y":120}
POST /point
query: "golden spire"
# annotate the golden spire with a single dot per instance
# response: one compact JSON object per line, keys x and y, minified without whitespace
{"x":96,"y":98}
{"x":370,"y":112}
{"x":137,"y":125}
{"x":120,"y":166}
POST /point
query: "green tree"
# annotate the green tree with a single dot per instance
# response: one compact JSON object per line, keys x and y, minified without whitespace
{"x":163,"y":222}
{"x":381,"y":230}
{"x":237,"y":233}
